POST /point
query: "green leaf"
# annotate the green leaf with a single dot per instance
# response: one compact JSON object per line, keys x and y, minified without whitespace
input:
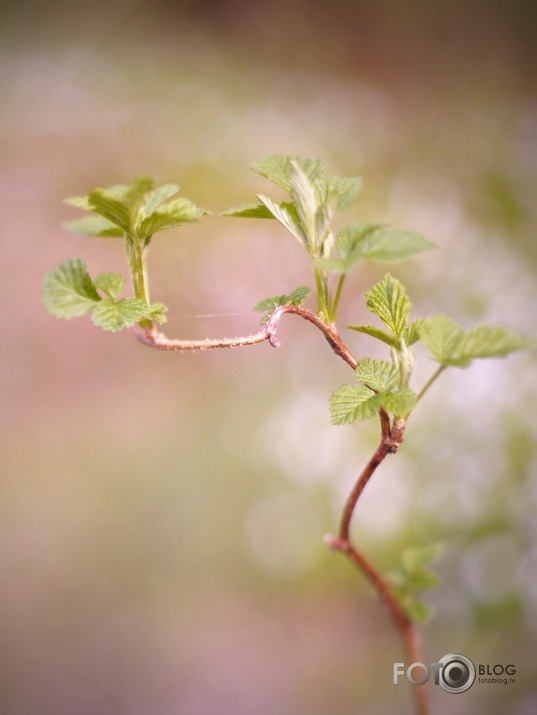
{"x":94,"y":226}
{"x":174,"y":213}
{"x":155,"y":198}
{"x":379,"y":375}
{"x":377,"y":333}
{"x":422,"y":579}
{"x":388,"y":299}
{"x":106,"y":203}
{"x":352,"y":403}
{"x":282,"y":212}
{"x":344,"y":190}
{"x":68,"y":291}
{"x":113,"y":284}
{"x":488,"y":341}
{"x":157,"y":311}
{"x":307,"y":204}
{"x":277,"y":168}
{"x":113,"y":316}
{"x":351,"y":238}
{"x":79,"y":202}
{"x":268,"y":305}
{"x":416,"y":557}
{"x":442,"y":337}
{"x":412,"y":332}
{"x":251,"y":211}
{"x":418,"y":611}
{"x":387,"y":244}
{"x":400,"y":403}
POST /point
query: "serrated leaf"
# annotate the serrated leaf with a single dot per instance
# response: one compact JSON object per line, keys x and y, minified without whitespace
{"x":94,"y":226}
{"x":412,"y":332}
{"x":250,"y":211}
{"x":157,"y":311}
{"x":377,"y":333}
{"x":344,"y":190}
{"x":268,"y":305}
{"x":488,"y":341}
{"x":379,"y":375}
{"x":79,"y":202}
{"x":113,"y":284}
{"x":307,"y":204}
{"x":68,"y":291}
{"x":155,"y":198}
{"x":106,"y":203}
{"x":115,"y":315}
{"x":417,"y":557}
{"x":400,"y":403}
{"x":388,"y":299}
{"x":283,"y":214}
{"x":388,"y":244}
{"x":418,"y":611}
{"x":174,"y":213}
{"x":352,"y":237}
{"x":442,"y":337}
{"x":277,"y":168}
{"x":352,"y":403}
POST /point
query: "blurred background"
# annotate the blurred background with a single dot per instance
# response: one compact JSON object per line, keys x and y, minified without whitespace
{"x":162,"y":514}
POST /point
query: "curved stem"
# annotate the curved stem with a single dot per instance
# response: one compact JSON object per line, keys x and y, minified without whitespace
{"x":430,"y":381}
{"x":155,"y":339}
{"x":389,"y":443}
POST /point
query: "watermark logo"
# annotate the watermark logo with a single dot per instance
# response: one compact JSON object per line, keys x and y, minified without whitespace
{"x":455,"y":673}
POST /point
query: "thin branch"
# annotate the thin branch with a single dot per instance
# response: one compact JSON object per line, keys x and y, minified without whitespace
{"x":389,"y":444}
{"x":329,"y":331}
{"x":430,"y":381}
{"x":155,"y":339}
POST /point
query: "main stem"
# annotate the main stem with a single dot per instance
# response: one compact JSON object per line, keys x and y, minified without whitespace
{"x":390,"y":441}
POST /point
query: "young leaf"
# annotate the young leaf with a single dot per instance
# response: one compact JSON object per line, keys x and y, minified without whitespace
{"x":252,"y":211}
{"x":174,"y":213}
{"x":351,"y":238}
{"x":277,"y":168}
{"x":157,"y":311}
{"x":114,"y":316}
{"x":379,"y":375}
{"x":283,"y":213}
{"x":416,"y":557}
{"x":307,"y":204}
{"x":113,"y":284}
{"x":377,"y":333}
{"x":387,"y":244}
{"x":488,"y":341}
{"x":352,"y":403}
{"x":155,"y":198}
{"x":268,"y":305}
{"x":68,"y":291}
{"x":388,"y":299}
{"x":400,"y":403}
{"x":418,"y":611}
{"x":94,"y":226}
{"x":412,"y":332}
{"x":106,"y":203}
{"x":442,"y":337}
{"x":343,"y":190}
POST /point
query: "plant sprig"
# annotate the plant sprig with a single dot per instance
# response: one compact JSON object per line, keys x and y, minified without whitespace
{"x":314,"y":198}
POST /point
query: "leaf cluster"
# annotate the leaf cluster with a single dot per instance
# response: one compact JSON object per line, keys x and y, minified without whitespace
{"x":137,"y":210}
{"x":384,"y":385}
{"x":70,"y":292}
{"x":414,"y":576}
{"x":313,"y":198}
